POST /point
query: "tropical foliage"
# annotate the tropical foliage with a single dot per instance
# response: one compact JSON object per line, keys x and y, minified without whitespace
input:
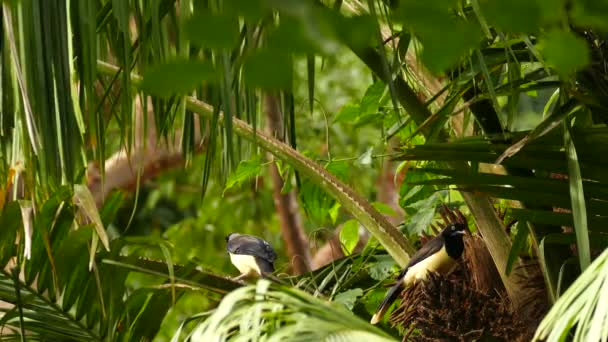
{"x":136,"y":134}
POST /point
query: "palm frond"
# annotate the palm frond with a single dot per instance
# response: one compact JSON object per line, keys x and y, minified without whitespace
{"x":263,"y":312}
{"x":581,"y":312}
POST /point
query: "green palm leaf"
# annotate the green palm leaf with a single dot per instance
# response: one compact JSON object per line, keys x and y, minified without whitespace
{"x":263,"y":312}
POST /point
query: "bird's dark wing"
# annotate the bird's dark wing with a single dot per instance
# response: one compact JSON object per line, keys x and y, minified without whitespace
{"x":251,"y":245}
{"x":427,"y":250}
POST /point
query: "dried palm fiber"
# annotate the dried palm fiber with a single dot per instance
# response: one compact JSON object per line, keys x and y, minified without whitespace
{"x":469,"y":304}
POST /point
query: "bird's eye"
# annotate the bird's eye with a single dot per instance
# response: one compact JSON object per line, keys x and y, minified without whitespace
{"x":453,"y":227}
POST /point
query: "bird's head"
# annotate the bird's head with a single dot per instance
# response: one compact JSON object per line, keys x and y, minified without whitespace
{"x":453,"y":230}
{"x":231,"y":236}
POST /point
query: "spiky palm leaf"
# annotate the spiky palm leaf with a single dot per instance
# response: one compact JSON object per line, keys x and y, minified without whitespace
{"x":264,"y":312}
{"x":581,"y":312}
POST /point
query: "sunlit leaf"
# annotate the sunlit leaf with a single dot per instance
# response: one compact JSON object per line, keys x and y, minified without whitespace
{"x":349,"y":236}
{"x":86,"y":203}
{"x":366,"y":158}
{"x":577,"y":197}
{"x":348,"y":113}
{"x":245,"y":170}
{"x":371,"y":99}
{"x":421,"y":214}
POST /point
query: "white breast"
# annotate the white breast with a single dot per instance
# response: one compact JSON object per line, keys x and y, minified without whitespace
{"x":245,"y":263}
{"x":439,"y":262}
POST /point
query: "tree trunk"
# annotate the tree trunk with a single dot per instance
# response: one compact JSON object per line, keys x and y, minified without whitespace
{"x":286,"y":204}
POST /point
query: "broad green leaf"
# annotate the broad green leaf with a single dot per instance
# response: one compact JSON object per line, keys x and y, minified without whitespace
{"x":445,"y":37}
{"x":349,"y":236}
{"x":245,"y":170}
{"x":292,"y":37}
{"x":84,"y":200}
{"x":334,"y":212}
{"x":382,"y":268}
{"x":445,"y":50}
{"x":214,"y":31}
{"x":178,"y":77}
{"x":564,"y":51}
{"x":355,"y":31}
{"x":250,"y":10}
{"x":371,"y":100}
{"x":512,"y":16}
{"x":590,"y":13}
{"x":349,"y":113}
{"x":348,"y":297}
{"x":268,"y":69}
{"x":339,"y":169}
{"x":315,"y":201}
{"x":421,"y":214}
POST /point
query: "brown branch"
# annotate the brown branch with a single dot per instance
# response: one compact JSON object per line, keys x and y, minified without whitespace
{"x":149,"y":157}
{"x":286,"y":204}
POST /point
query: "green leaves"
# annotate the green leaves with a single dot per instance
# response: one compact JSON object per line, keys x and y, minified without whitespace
{"x":592,"y":13}
{"x":564,"y":51}
{"x":284,"y":314}
{"x":577,"y":197}
{"x":512,"y":16}
{"x":10,"y":221}
{"x":382,"y":268}
{"x":245,"y":170}
{"x":348,"y":297}
{"x":214,"y":31}
{"x":178,"y":77}
{"x":349,"y":236}
{"x":268,"y":69}
{"x":581,"y":308}
{"x":84,"y":200}
{"x":445,"y":36}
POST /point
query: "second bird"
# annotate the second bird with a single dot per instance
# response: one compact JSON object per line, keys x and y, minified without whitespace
{"x":251,"y":255}
{"x":438,"y":255}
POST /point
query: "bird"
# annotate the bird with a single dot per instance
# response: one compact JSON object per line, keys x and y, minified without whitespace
{"x":251,"y":255}
{"x":438,"y":255}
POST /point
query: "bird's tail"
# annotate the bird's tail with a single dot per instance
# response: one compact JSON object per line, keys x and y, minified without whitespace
{"x":265,"y":266}
{"x":390,"y":297}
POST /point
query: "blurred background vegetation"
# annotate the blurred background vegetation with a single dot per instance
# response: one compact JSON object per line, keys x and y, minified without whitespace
{"x":136,"y":135}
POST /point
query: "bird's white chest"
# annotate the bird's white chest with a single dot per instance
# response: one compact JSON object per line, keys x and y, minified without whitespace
{"x":246,"y":264}
{"x":439,"y":262}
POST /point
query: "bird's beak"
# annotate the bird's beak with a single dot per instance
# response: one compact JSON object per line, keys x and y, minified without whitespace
{"x":459,"y":232}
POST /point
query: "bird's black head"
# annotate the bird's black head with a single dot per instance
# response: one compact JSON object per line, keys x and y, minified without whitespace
{"x":452,"y":235}
{"x":453,"y":230}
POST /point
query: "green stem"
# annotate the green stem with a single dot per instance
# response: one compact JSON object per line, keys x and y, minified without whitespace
{"x":389,"y":236}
